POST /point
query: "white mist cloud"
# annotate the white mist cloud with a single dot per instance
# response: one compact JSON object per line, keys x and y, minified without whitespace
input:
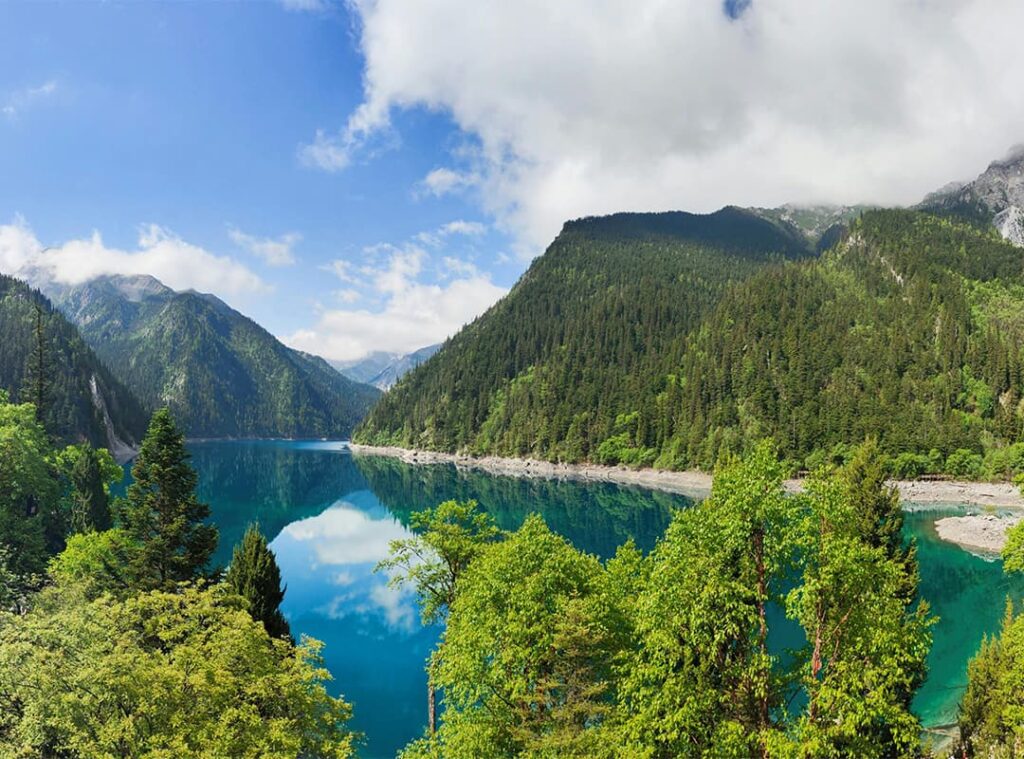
{"x":274,"y":251}
{"x":159,"y":252}
{"x":579,"y":107}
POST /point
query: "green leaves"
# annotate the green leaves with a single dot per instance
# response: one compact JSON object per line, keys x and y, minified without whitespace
{"x":549,"y":653}
{"x":183,"y":674}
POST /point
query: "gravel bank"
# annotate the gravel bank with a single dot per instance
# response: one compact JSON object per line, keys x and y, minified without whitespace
{"x":696,"y":484}
{"x":977,"y":532}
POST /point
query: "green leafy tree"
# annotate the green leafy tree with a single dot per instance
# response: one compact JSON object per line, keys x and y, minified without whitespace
{"x":96,"y":563}
{"x":186,"y":674}
{"x":254,"y":575}
{"x":868,"y":637}
{"x":161,"y":512}
{"x":448,"y":537}
{"x":526,"y":664}
{"x":702,"y":681}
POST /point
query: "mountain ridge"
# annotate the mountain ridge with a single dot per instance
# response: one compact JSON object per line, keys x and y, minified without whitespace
{"x":220,"y":372}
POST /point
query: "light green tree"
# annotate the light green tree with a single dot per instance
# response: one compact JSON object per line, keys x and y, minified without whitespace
{"x":447,"y":538}
{"x":156,"y":675}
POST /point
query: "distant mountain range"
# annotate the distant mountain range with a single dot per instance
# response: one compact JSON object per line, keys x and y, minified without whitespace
{"x":220,"y":373}
{"x":382,"y":369}
{"x":84,"y":400}
{"x":674,"y":339}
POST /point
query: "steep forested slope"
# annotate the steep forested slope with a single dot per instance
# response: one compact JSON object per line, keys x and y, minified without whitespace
{"x":909,"y":330}
{"x":221,"y":374}
{"x":80,"y":393}
{"x":633,"y":349}
{"x":596,"y":324}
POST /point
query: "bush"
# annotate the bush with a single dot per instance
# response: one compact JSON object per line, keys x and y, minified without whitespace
{"x":964,"y":464}
{"x":909,"y":466}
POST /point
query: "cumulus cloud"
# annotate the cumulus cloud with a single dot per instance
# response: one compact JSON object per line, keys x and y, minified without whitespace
{"x":21,"y":99}
{"x":274,"y":251}
{"x":581,"y":108}
{"x":159,"y":252}
{"x":410,"y":311}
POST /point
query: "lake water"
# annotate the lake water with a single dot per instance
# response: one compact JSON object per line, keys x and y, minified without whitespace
{"x":331,"y":515}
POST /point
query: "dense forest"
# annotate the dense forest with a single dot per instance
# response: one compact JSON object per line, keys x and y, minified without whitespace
{"x":594,"y":325}
{"x":43,"y":359}
{"x":623,"y":345}
{"x":219,"y":372}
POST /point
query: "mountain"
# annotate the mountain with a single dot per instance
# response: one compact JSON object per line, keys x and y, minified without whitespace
{"x":597,"y":322}
{"x":85,"y":400}
{"x":220,"y":373}
{"x":383,"y":370}
{"x":633,"y":341}
{"x":366,"y":368}
{"x":996,"y":197}
{"x":823,"y":225}
{"x":389,"y":375}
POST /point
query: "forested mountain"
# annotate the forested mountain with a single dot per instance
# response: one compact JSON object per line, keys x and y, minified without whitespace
{"x":220,"y":373}
{"x":595,"y":324}
{"x":81,"y":398}
{"x":624,"y":347}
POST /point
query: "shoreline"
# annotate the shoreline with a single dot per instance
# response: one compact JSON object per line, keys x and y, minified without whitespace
{"x":690,"y":483}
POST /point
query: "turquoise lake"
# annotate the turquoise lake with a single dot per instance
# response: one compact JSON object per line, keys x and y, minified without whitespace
{"x":331,"y":515}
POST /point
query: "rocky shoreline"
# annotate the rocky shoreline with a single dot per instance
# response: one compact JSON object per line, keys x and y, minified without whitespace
{"x":982,"y":533}
{"x":690,"y":483}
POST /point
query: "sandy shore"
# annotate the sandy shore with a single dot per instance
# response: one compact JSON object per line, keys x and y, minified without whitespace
{"x":696,"y":484}
{"x":977,"y":532}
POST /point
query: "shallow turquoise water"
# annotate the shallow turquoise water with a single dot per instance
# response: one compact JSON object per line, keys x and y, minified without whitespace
{"x":331,"y":515}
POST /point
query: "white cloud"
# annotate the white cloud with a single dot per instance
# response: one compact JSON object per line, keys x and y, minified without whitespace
{"x":467,"y":228}
{"x":410,"y":312}
{"x":160,"y":253}
{"x":444,"y":181}
{"x":275,"y":252}
{"x":581,"y":108}
{"x":19,"y":100}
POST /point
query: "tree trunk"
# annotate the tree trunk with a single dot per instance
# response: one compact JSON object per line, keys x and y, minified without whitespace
{"x":762,"y":594}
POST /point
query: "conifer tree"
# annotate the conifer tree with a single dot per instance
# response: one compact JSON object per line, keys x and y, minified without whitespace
{"x":90,"y":508}
{"x":38,"y":368}
{"x":254,"y":575}
{"x":162,"y":513}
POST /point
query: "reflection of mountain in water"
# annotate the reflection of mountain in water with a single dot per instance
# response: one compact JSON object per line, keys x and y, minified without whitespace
{"x":596,"y":517}
{"x":270,"y":482}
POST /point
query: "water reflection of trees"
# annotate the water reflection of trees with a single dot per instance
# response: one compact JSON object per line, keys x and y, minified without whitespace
{"x":596,"y":517}
{"x":270,"y":483}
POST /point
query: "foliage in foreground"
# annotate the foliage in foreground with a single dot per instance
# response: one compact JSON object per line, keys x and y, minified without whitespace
{"x":550,"y":652}
{"x":186,"y":674}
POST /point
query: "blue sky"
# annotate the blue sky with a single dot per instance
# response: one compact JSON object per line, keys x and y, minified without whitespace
{"x":370,"y":174}
{"x":191,"y":116}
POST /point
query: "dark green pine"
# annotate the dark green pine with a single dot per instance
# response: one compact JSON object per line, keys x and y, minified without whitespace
{"x":255,"y":576}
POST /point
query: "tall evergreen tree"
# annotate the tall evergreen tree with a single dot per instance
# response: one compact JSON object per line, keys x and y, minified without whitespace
{"x":162,"y":513}
{"x":38,"y":367}
{"x":255,"y":576}
{"x":90,"y":505}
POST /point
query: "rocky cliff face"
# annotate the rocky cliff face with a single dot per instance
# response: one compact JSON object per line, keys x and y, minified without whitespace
{"x":996,"y":196}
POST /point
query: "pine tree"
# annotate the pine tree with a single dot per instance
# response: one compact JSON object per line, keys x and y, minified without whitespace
{"x":162,"y":513}
{"x":38,"y":367}
{"x":254,"y":575}
{"x":90,"y":509}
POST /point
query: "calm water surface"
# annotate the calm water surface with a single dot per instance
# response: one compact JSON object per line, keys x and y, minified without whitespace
{"x":331,"y":516}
